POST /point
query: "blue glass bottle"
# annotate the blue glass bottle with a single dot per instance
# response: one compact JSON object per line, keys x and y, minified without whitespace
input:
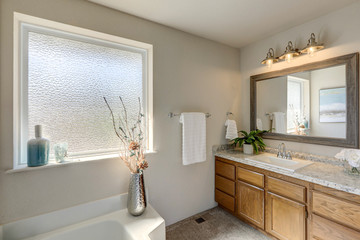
{"x":306,"y":123}
{"x":38,"y":149}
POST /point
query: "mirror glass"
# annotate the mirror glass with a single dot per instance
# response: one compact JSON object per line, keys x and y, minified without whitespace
{"x":308,"y":103}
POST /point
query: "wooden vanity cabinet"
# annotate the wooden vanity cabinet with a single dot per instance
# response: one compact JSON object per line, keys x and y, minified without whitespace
{"x":286,"y":219}
{"x":270,"y":204}
{"x":285,"y":207}
{"x":225,"y":184}
{"x":250,"y":196}
{"x":324,"y":229}
{"x":335,"y":214}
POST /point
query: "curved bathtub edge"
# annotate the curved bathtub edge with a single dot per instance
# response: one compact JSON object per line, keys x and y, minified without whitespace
{"x":62,"y":218}
{"x":150,"y":222}
{"x":149,"y":226}
{"x":158,"y":233}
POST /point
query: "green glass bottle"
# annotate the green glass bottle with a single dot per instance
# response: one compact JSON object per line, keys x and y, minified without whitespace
{"x":38,"y":149}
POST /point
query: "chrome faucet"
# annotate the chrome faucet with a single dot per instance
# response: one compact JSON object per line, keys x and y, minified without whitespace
{"x":282,"y":152}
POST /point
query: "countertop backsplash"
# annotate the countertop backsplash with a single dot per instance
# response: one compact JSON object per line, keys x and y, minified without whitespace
{"x":294,"y":154}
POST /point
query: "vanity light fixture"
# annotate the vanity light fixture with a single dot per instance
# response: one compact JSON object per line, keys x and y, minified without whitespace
{"x":312,"y":46}
{"x":289,"y":53}
{"x":270,"y":58}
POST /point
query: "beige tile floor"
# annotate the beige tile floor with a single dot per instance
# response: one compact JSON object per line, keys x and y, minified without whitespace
{"x":218,"y":225}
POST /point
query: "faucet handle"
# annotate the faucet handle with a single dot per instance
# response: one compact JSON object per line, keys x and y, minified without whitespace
{"x":279,"y":153}
{"x":288,"y":155}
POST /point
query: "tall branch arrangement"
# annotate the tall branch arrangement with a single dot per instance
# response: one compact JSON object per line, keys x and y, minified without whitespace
{"x":131,"y":137}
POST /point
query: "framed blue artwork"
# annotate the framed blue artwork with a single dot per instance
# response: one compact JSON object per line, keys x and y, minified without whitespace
{"x":333,"y":105}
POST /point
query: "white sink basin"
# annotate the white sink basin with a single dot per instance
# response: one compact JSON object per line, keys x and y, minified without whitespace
{"x":273,"y":161}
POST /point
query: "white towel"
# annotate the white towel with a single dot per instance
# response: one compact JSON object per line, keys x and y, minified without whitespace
{"x":193,"y":137}
{"x":231,"y":129}
{"x":259,"y":125}
{"x":278,"y":123}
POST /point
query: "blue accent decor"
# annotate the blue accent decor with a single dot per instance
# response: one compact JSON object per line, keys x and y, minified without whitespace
{"x":38,"y":150}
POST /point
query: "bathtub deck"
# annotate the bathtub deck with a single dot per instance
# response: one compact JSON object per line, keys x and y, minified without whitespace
{"x":145,"y":227}
{"x":102,"y":219}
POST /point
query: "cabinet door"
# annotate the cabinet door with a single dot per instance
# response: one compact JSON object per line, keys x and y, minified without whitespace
{"x":250,"y":203}
{"x":285,"y":218}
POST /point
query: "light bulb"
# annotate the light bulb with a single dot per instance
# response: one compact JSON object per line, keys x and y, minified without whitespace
{"x":311,"y":52}
{"x":269,"y":63}
{"x":289,"y":57}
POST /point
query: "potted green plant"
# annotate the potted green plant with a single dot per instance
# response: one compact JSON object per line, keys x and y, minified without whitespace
{"x":251,"y":141}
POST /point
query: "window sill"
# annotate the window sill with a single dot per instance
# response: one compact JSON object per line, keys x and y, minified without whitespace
{"x":53,"y":164}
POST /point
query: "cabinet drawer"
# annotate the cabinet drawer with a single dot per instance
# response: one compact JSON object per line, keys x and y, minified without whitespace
{"x":341,"y":211}
{"x":225,"y":200}
{"x":323,"y":229}
{"x":225,"y":170}
{"x":286,"y":189}
{"x":251,"y":177}
{"x":225,"y":185}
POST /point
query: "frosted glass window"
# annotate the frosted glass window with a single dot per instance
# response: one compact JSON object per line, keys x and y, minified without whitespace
{"x":67,"y":80}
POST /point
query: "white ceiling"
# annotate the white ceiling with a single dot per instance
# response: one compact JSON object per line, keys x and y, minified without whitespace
{"x":233,"y":22}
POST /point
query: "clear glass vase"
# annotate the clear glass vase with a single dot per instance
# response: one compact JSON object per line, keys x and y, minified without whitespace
{"x":350,"y":169}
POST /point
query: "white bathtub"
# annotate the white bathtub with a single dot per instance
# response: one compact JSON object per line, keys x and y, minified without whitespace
{"x":99,"y":230}
{"x":89,"y":222}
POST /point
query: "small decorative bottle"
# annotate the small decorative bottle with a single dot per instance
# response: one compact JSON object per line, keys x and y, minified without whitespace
{"x":38,"y":149}
{"x":306,"y":123}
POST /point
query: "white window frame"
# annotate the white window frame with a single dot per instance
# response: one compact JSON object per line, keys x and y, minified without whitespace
{"x":302,"y":83}
{"x":22,"y":24}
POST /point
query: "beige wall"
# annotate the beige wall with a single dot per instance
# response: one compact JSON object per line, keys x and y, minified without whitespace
{"x":271,"y":97}
{"x":190,"y":74}
{"x":338,"y":30}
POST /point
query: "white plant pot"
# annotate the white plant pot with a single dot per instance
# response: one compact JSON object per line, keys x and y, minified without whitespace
{"x":248,"y":149}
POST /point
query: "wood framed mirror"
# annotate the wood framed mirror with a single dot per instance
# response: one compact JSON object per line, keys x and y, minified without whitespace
{"x":315,"y":103}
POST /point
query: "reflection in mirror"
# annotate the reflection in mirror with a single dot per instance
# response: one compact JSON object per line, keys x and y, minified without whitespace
{"x":309,"y":103}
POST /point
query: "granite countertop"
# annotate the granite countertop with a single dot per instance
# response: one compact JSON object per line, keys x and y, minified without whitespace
{"x":325,"y":174}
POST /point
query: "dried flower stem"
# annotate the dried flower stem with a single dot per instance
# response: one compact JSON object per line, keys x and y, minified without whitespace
{"x":113,"y":118}
{"x":131,"y":138}
{"x":126,"y":116}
